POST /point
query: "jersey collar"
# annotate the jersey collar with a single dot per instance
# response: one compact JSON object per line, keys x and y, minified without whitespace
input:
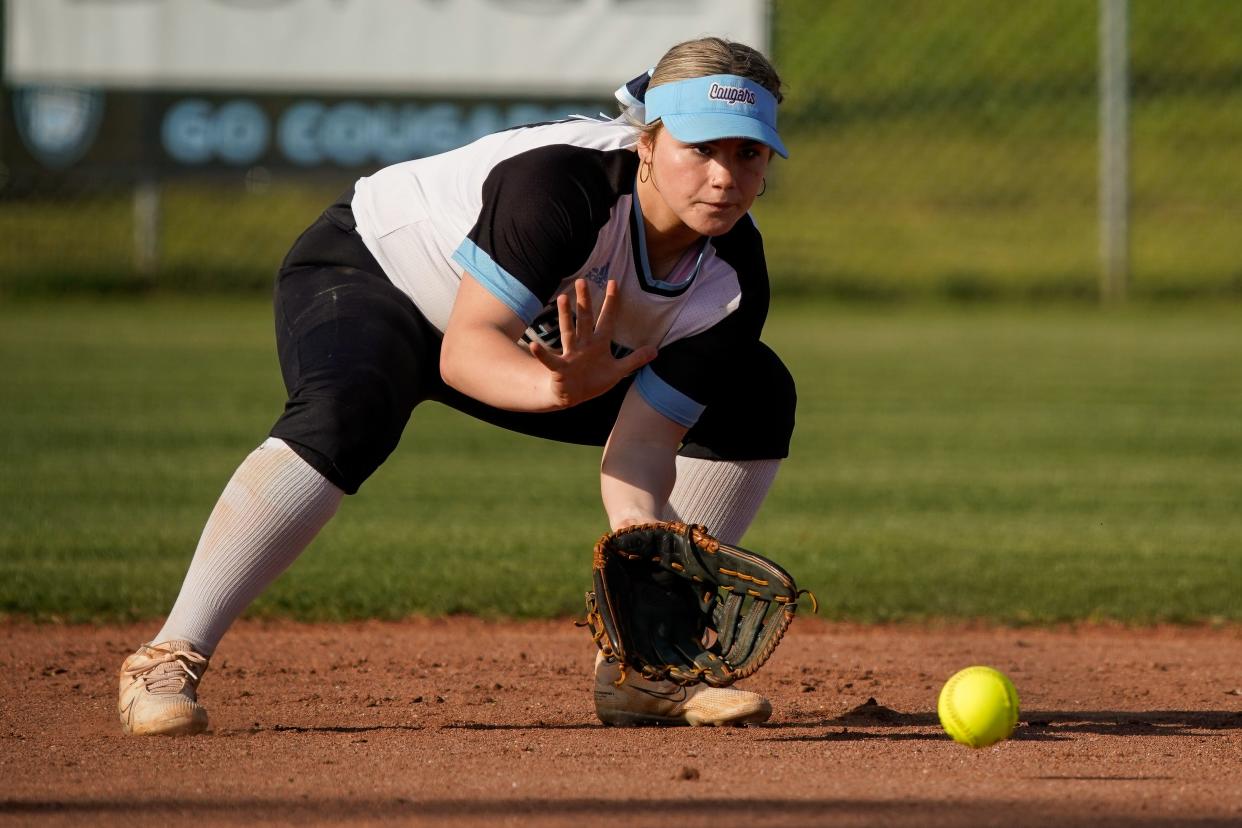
{"x":643,"y":267}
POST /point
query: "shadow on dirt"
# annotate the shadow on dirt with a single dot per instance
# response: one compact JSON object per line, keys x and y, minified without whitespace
{"x":1134,"y":722}
{"x":1040,"y":725}
{"x":568,"y":812}
{"x":280,"y":728}
{"x":531,"y":726}
{"x":1036,"y":726}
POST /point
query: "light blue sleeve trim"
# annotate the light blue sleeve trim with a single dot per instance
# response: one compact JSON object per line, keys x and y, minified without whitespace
{"x":515,"y":295}
{"x":666,"y":399}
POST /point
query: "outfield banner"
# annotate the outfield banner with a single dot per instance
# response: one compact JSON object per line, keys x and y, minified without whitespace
{"x":529,"y":48}
{"x":58,"y":130}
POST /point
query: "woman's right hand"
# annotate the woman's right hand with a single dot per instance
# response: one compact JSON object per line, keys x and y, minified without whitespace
{"x":482,"y":358}
{"x":585,"y":367}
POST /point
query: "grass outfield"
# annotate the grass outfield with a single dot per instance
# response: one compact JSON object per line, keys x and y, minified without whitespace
{"x":1023,"y":465}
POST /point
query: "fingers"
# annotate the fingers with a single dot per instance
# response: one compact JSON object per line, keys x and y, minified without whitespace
{"x":585,"y":323}
{"x":583,"y":336}
{"x":549,"y":359}
{"x":632,"y":362}
{"x":568,"y":335}
{"x":603,"y":325}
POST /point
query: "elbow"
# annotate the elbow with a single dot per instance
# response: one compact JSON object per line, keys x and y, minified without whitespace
{"x":450,"y":369}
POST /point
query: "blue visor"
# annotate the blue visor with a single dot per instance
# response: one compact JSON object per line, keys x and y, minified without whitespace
{"x":705,"y":109}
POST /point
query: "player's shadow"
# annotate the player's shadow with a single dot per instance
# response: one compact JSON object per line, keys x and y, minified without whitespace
{"x":530,"y":726}
{"x":868,"y":720}
{"x":514,"y":810}
{"x":871,"y":720}
{"x":870,"y":715}
{"x":282,"y":728}
{"x":1132,"y":722}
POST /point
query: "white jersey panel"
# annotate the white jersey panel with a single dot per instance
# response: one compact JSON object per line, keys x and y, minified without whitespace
{"x":648,"y":318}
{"x":412,"y":216}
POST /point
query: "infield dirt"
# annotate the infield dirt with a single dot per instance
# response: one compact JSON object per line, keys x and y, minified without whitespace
{"x":467,"y":722}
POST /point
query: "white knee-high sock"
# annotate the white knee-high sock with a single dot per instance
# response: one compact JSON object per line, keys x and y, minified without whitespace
{"x":722,"y":495}
{"x":271,"y":509}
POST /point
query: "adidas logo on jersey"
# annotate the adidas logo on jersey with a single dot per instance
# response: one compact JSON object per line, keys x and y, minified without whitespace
{"x":597,"y":275}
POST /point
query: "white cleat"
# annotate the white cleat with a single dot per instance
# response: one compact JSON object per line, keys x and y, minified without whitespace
{"x":159,"y":690}
{"x":638,"y":701}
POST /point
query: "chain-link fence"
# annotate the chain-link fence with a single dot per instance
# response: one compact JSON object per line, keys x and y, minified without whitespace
{"x":952,"y":148}
{"x":938,"y":149}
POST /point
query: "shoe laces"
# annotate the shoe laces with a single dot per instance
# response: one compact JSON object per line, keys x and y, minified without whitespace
{"x":663,"y":690}
{"x":167,"y":669}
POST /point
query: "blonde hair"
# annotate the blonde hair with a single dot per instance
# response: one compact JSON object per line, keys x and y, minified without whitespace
{"x":710,"y":56}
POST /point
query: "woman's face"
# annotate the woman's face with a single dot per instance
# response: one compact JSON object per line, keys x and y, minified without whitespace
{"x":706,"y":187}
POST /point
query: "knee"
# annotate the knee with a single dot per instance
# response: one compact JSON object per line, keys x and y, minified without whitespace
{"x":345,"y":435}
{"x":755,"y":421}
{"x":778,"y":390}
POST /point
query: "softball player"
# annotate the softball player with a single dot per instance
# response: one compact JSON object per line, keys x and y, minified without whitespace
{"x":621,"y":259}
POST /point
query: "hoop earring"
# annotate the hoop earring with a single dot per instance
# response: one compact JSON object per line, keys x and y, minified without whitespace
{"x":645,"y":165}
{"x":764,"y":189}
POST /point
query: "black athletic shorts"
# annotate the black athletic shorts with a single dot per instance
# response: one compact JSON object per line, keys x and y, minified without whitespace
{"x":357,"y":356}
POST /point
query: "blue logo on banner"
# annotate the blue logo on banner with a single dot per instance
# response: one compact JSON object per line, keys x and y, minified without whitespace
{"x":58,"y":124}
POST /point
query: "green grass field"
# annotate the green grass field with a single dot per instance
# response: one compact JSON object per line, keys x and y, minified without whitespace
{"x":1021,"y":465}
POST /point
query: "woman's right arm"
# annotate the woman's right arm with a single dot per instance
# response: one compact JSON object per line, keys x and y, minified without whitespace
{"x":481,"y":356}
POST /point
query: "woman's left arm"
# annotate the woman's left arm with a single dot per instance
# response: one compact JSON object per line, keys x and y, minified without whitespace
{"x":639,"y":464}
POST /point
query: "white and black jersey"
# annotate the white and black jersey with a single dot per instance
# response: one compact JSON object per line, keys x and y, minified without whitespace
{"x":528,"y":211}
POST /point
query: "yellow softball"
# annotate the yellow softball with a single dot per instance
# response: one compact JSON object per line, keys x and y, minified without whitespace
{"x":978,"y":706}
